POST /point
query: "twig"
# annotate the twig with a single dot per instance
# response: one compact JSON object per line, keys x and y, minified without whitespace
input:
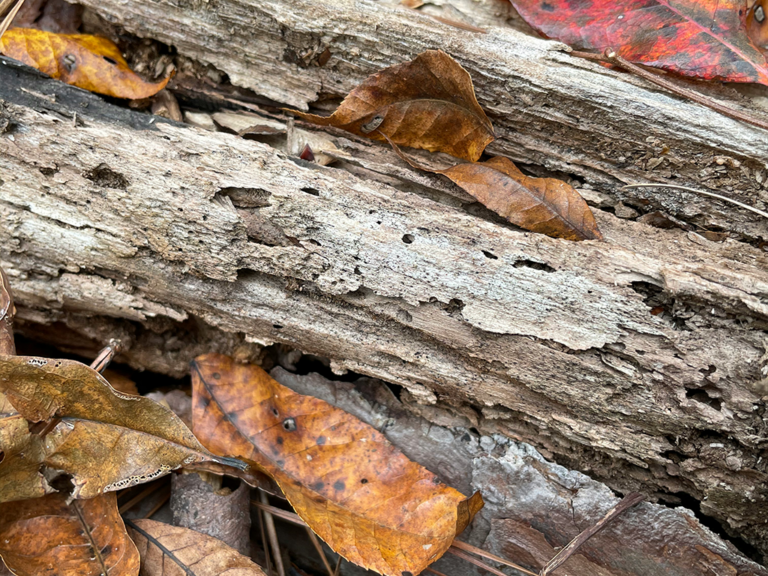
{"x":166,"y":496}
{"x":264,"y":541}
{"x":270,"y":524}
{"x":106,"y":355}
{"x":625,"y":503}
{"x":428,"y":569}
{"x":702,"y":192}
{"x":611,"y":57}
{"x":9,"y":18}
{"x":280,"y":513}
{"x":319,"y":548}
{"x":140,"y":496}
{"x":480,"y":552}
{"x":472,"y":560}
{"x":337,"y":571}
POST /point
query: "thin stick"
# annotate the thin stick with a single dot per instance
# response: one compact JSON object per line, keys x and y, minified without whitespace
{"x":270,"y":522}
{"x":480,"y":552}
{"x":9,"y":18}
{"x":611,"y":57}
{"x":472,"y":560}
{"x":106,"y":355}
{"x":160,"y":504}
{"x":264,"y":541}
{"x":428,"y":569}
{"x":280,"y":513}
{"x":319,"y":548}
{"x":570,"y":548}
{"x":702,"y":192}
{"x":337,"y":571}
{"x":154,"y":487}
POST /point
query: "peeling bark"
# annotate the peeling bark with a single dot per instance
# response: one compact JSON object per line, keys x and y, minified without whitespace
{"x":638,"y":360}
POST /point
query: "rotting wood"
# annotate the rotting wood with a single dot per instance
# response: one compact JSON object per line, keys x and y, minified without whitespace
{"x":638,"y":360}
{"x":549,"y":108}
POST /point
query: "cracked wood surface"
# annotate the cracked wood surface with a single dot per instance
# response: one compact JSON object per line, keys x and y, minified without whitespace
{"x":638,"y":360}
{"x":548,"y":108}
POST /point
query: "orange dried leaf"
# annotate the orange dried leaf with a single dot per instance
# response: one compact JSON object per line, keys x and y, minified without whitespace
{"x":174,"y":551}
{"x":84,"y":538}
{"x":427,"y":103}
{"x":89,"y":62}
{"x":105,"y":440}
{"x":347,"y":482}
{"x":545,"y":205}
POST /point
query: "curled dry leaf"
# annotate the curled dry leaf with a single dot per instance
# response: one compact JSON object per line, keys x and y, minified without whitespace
{"x":347,"y":482}
{"x":84,"y":538}
{"x":105,"y":440}
{"x":702,"y":38}
{"x":427,"y":103}
{"x":22,"y":454}
{"x":89,"y":62}
{"x":174,"y":551}
{"x":544,"y":205}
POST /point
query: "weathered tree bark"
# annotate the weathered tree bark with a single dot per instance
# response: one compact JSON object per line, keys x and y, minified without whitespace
{"x":639,"y":360}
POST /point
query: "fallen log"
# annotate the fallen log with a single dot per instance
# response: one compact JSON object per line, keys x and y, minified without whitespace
{"x":639,"y":360}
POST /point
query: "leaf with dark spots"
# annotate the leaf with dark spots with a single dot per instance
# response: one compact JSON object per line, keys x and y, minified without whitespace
{"x":167,"y":550}
{"x":427,"y":103}
{"x":89,"y":62}
{"x":104,"y":439}
{"x":708,"y":39}
{"x":398,"y":520}
{"x":84,"y":538}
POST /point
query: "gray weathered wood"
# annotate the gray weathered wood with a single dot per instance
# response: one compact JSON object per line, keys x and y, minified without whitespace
{"x":639,"y":360}
{"x":549,"y":108}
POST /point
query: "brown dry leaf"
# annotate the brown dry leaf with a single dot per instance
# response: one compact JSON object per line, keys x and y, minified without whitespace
{"x":347,"y":482}
{"x":21,"y":455}
{"x":545,"y":205}
{"x":105,"y":440}
{"x":89,"y":62}
{"x":84,"y":538}
{"x":427,"y":103}
{"x":167,"y":550}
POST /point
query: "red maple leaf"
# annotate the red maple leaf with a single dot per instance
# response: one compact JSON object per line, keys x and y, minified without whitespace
{"x":702,"y":38}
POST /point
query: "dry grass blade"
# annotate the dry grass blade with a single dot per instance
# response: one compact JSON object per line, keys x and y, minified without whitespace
{"x":151,"y":489}
{"x":264,"y":544}
{"x":160,"y":503}
{"x":702,"y":192}
{"x":570,"y":548}
{"x":291,"y":517}
{"x":480,"y":552}
{"x":434,"y":571}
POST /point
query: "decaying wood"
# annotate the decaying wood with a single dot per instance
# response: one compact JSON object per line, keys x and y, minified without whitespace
{"x":549,"y":108}
{"x":638,"y":360}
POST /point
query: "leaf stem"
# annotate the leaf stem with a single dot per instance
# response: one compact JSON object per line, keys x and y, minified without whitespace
{"x":702,"y":192}
{"x":611,"y":57}
{"x":570,"y":548}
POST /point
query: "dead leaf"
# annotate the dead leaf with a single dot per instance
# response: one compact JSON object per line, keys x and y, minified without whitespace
{"x":174,"y":551}
{"x":545,"y":205}
{"x":427,"y":103}
{"x":85,"y":538}
{"x":347,"y":482}
{"x":21,"y":455}
{"x":106,"y":440}
{"x":89,"y":62}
